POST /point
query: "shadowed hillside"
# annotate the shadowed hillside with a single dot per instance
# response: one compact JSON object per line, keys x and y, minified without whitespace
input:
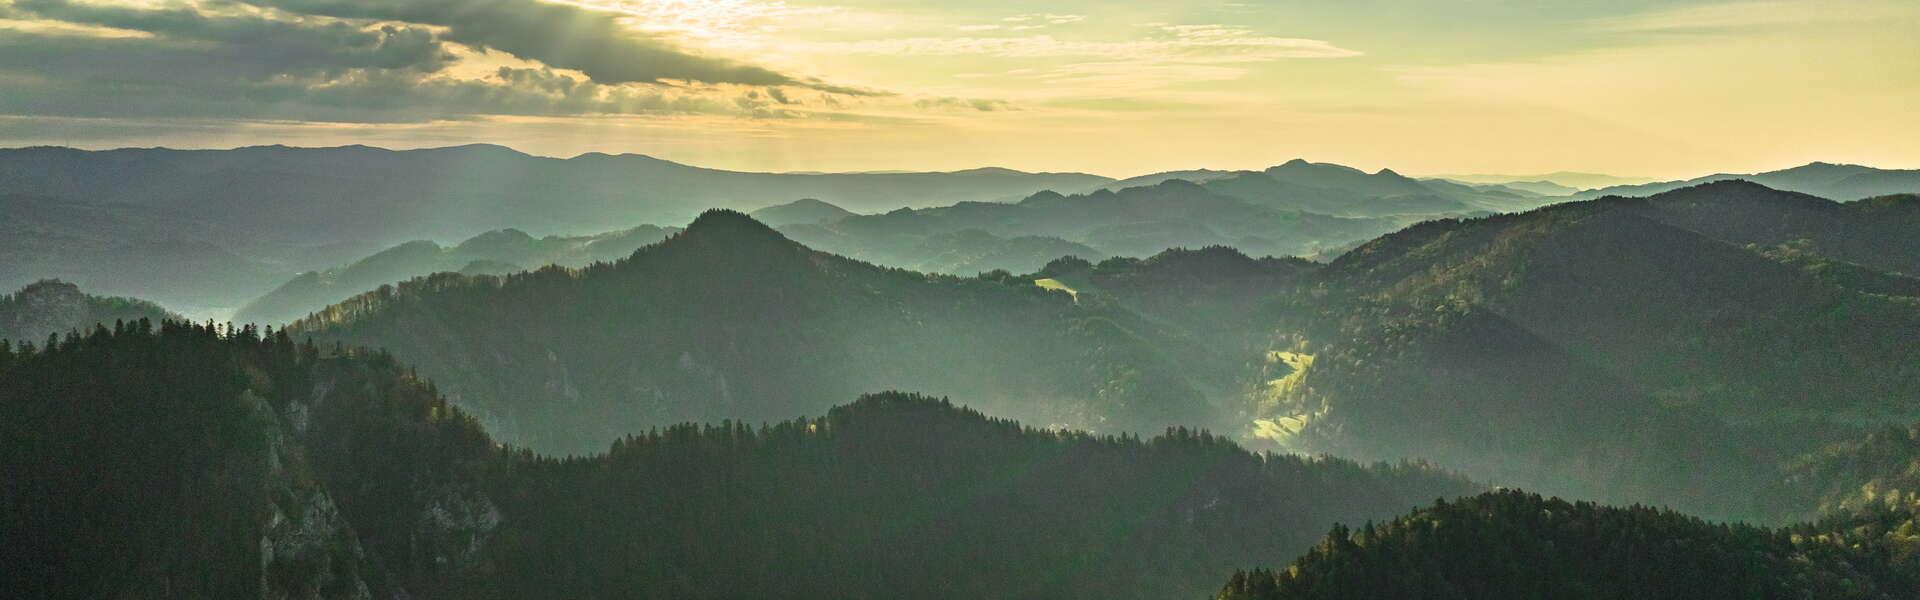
{"x":729,"y":319}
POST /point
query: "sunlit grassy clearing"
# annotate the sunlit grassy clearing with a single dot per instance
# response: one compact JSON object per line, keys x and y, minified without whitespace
{"x":1280,"y":429}
{"x":1055,"y":284}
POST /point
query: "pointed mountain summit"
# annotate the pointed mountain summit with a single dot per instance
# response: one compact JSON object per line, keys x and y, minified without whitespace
{"x":729,"y":319}
{"x":729,"y":224}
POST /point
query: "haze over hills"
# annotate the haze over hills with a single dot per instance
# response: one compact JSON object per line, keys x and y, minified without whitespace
{"x":1725,"y":336}
{"x":1567,"y":179}
{"x":1638,"y":326}
{"x":803,"y":211}
{"x":972,"y":300}
{"x":317,"y":195}
{"x":206,"y":231}
{"x":493,"y":253}
{"x":53,"y":307}
{"x":246,"y":463}
{"x":730,"y":319}
{"x":197,"y":266}
{"x":1826,"y":180}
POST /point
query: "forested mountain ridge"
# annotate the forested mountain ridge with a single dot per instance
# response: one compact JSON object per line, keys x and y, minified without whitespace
{"x":494,"y":253}
{"x":1827,"y":180}
{"x":729,"y":319}
{"x":901,"y":496}
{"x":1642,"y":336}
{"x":205,"y":231}
{"x":1511,"y":544}
{"x":1345,"y":191}
{"x":191,"y":265}
{"x":182,"y":461}
{"x":246,"y":464}
{"x":802,"y":211}
{"x":1138,"y":221}
{"x":54,"y":307}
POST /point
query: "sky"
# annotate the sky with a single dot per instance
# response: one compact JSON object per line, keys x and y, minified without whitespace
{"x":1629,"y":87}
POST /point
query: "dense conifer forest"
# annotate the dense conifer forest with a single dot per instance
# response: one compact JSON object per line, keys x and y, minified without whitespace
{"x":180,"y":460}
{"x":1512,"y":544}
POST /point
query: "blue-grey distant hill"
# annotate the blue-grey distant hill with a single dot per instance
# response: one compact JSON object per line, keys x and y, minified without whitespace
{"x":360,"y":192}
{"x":1826,"y":180}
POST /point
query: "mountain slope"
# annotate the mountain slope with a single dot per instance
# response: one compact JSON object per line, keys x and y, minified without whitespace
{"x":802,"y":211}
{"x":1510,"y":544}
{"x":201,"y":267}
{"x":246,"y":465}
{"x":1826,"y":180}
{"x":729,"y":319}
{"x":1140,"y":221}
{"x":496,"y":252}
{"x":897,"y":496}
{"x":56,"y":307}
{"x":1640,"y":341}
{"x":237,"y":466}
{"x":1345,"y":191}
{"x":386,"y":196}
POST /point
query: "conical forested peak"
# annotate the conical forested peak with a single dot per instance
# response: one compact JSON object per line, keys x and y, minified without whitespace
{"x":1177,"y":185}
{"x":724,"y":222}
{"x":1739,"y":192}
{"x":1043,"y":196}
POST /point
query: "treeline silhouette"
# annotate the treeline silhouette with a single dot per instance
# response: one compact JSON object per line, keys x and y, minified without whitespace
{"x":1512,"y":544}
{"x":185,"y":460}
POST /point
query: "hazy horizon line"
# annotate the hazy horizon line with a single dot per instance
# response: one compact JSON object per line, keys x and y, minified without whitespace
{"x":1519,"y":175}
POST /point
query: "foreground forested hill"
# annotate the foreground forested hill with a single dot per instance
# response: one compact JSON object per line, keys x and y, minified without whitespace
{"x":54,"y":307}
{"x":181,"y":461}
{"x":1511,"y":544}
{"x":177,"y":461}
{"x":1658,"y":349}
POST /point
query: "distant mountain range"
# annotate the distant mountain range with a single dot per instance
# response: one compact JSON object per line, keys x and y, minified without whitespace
{"x":206,"y":231}
{"x":805,"y":211}
{"x":324,"y":195}
{"x":1560,"y":179}
{"x":495,"y":253}
{"x":975,"y":237}
{"x":1826,"y":180}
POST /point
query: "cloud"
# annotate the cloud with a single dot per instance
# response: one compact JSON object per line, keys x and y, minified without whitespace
{"x":566,"y":36}
{"x":367,"y":62}
{"x":1723,"y":17}
{"x":951,"y":103}
{"x":252,"y":46}
{"x":1182,"y":43}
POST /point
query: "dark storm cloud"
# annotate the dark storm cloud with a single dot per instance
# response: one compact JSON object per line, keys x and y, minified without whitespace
{"x":564,"y":36}
{"x":375,"y":61}
{"x":158,"y":77}
{"x":247,"y":46}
